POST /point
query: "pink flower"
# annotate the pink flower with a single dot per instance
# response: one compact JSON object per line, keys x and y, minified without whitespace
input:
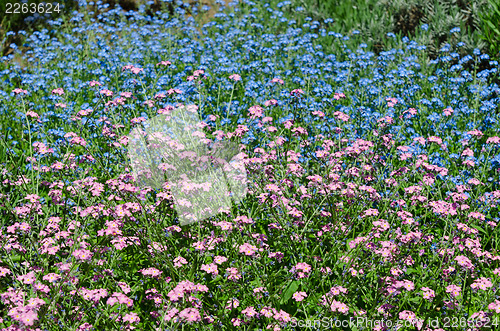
{"x":391,"y":102}
{"x":495,"y":306}
{"x":32,"y":114}
{"x":477,"y":216}
{"x":341,"y":116}
{"x":153,"y":272}
{"x":385,"y":120}
{"x":131,"y":318}
{"x":428,"y":293}
{"x":249,"y":312}
{"x":179,"y":261}
{"x":197,"y":73}
{"x":78,"y":141}
{"x":277,"y":80}
{"x":255,"y":111}
{"x":474,"y":181}
{"x":267,"y":312}
{"x":454,"y":290}
{"x":273,"y":188}
{"x":464,"y":261}
{"x":51,"y":277}
{"x":235,"y":77}
{"x":339,"y":306}
{"x":220,"y":259}
{"x":408,"y":285}
{"x":407,"y":315}
{"x":336,"y":290}
{"x":247,"y":249}
{"x":18,"y":91}
{"x":85,"y":327}
{"x":119,"y":298}
{"x":124,"y":286}
{"x":447,"y":111}
{"x":412,"y":111}
{"x":282,"y":316}
{"x":233,"y":274}
{"x":58,"y":91}
{"x":231,"y":304}
{"x":435,"y":139}
{"x":170,"y":314}
{"x":225,"y":226}
{"x":28,"y":318}
{"x":482,"y":283}
{"x":106,"y":92}
{"x":210,"y":268}
{"x":493,"y":140}
{"x":172,"y":91}
{"x":475,"y":133}
{"x":42,"y":288}
{"x":82,"y":254}
{"x":190,"y":315}
{"x":271,"y":102}
{"x":4,"y":272}
{"x":136,"y":70}
{"x":303,"y":266}
{"x":137,"y":120}
{"x":299,"y":296}
{"x":420,"y":140}
{"x":29,"y":278}
{"x":164,"y":63}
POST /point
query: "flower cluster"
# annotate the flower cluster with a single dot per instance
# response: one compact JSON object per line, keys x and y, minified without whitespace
{"x":373,"y":180}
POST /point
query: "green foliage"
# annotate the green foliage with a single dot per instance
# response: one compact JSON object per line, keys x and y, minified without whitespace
{"x":490,"y":26}
{"x":444,"y":15}
{"x":375,"y":18}
{"x":366,"y":16}
{"x":29,"y":20}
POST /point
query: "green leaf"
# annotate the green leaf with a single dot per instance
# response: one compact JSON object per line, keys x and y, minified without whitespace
{"x":495,"y":7}
{"x":415,"y":299}
{"x":493,"y":27}
{"x":480,"y":229}
{"x":256,"y":282}
{"x":216,"y":279}
{"x":16,"y":258}
{"x":290,"y":290}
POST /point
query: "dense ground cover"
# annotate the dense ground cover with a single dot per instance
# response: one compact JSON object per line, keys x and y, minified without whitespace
{"x":373,"y":179}
{"x":474,"y":22}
